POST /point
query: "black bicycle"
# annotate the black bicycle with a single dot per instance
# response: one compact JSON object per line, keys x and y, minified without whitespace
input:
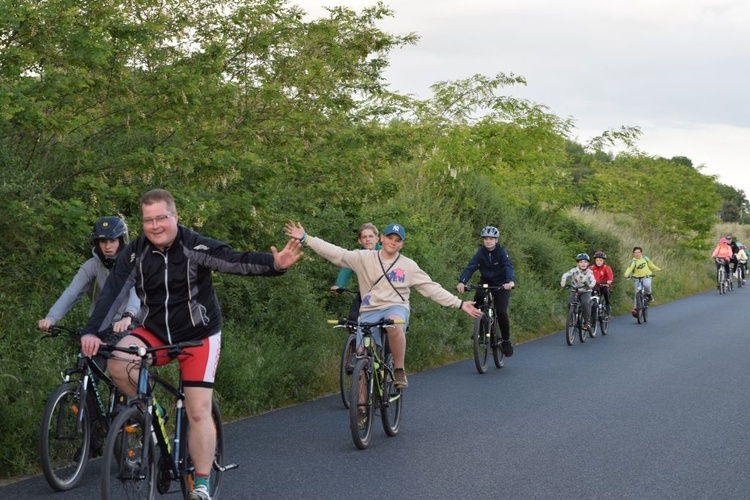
{"x":484,"y":337}
{"x":373,"y":384}
{"x":348,"y":357}
{"x":599,"y":313}
{"x":574,"y":322}
{"x":140,"y":455}
{"x":76,"y":418}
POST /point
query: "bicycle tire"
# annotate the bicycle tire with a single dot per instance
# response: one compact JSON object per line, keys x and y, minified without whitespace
{"x":740,"y":276}
{"x":604,"y":321}
{"x":187,"y":471}
{"x":481,"y":342}
{"x":497,"y":352}
{"x":594,"y":320}
{"x":638,"y":306}
{"x":570,"y":325}
{"x":644,"y":312}
{"x":348,"y":353}
{"x":362,"y":380}
{"x":122,"y":474}
{"x":391,"y":404}
{"x":721,"y":280}
{"x":581,"y":332}
{"x":63,"y":449}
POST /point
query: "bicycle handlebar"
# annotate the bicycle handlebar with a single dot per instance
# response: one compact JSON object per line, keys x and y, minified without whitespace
{"x":143,"y":351}
{"x":341,"y":290}
{"x":484,"y":286}
{"x":385,"y":322}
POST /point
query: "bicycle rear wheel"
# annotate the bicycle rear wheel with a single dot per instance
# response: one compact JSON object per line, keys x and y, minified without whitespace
{"x":186,"y":467}
{"x":124,"y":473}
{"x":570,"y":325}
{"x":63,"y":448}
{"x":481,"y":340}
{"x":348,"y":358}
{"x":644,"y":312}
{"x":362,"y":410}
{"x":391,"y":402}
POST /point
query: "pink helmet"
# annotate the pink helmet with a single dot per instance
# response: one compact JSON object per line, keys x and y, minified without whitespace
{"x":723,"y":240}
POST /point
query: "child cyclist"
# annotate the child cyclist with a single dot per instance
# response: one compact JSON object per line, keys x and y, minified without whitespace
{"x":641,"y":267}
{"x":582,"y":281}
{"x":495,"y":269}
{"x":604,"y":277}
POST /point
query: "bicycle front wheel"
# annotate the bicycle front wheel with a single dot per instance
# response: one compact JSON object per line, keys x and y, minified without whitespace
{"x":644,"y":312}
{"x":570,"y":325}
{"x":638,"y":306}
{"x":481,"y":340}
{"x":721,"y":280}
{"x":124,"y":472}
{"x":497,"y":352}
{"x":186,"y":466}
{"x":594,"y":320}
{"x":63,"y":447}
{"x":348,"y":357}
{"x":582,"y":333}
{"x":391,"y":402}
{"x":362,"y":410}
{"x":604,"y":321}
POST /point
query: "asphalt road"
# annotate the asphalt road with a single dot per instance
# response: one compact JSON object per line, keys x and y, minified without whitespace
{"x":654,"y":411}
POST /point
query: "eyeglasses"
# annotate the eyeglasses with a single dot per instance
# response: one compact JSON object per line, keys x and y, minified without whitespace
{"x":158,"y":219}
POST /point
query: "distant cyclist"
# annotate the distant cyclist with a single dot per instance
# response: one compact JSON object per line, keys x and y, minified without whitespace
{"x":735,"y":248}
{"x":641,"y":267}
{"x":722,"y":255}
{"x":495,"y":269}
{"x":582,"y":281}
{"x":742,"y":260}
{"x":604,"y":277}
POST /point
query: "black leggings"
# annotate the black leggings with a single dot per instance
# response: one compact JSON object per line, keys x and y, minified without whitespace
{"x":502,"y":300}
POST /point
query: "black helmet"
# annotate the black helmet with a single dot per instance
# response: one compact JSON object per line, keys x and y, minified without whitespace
{"x":600,"y":255}
{"x":582,"y":256}
{"x":490,"y":232}
{"x":111,"y":228}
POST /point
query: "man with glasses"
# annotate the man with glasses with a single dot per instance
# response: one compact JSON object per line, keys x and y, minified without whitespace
{"x":171,"y":267}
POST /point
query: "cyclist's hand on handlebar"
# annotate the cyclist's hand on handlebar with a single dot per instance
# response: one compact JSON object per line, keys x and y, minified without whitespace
{"x":90,"y":345}
{"x":470,"y":309}
{"x":44,"y":325}
{"x":336,"y":290}
{"x":122,"y":325}
{"x":562,"y":284}
{"x":461,"y":288}
{"x":509,"y":285}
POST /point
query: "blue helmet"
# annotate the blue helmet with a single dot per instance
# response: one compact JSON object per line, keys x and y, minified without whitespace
{"x":582,"y":256}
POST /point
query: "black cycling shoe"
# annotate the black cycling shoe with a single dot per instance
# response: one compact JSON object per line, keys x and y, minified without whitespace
{"x":507,"y":348}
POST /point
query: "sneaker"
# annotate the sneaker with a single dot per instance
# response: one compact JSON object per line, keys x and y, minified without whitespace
{"x":400,"y":381}
{"x":199,"y":493}
{"x":586,"y":327}
{"x":634,"y":313}
{"x":362,"y":418}
{"x":507,"y":348}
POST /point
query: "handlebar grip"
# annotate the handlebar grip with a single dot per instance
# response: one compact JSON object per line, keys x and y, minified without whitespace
{"x":332,"y":321}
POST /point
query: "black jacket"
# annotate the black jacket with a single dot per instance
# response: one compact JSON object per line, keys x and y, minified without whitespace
{"x":495,"y":267}
{"x":178,"y":301}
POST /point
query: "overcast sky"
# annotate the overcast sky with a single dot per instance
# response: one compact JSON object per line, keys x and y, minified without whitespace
{"x":678,"y":69}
